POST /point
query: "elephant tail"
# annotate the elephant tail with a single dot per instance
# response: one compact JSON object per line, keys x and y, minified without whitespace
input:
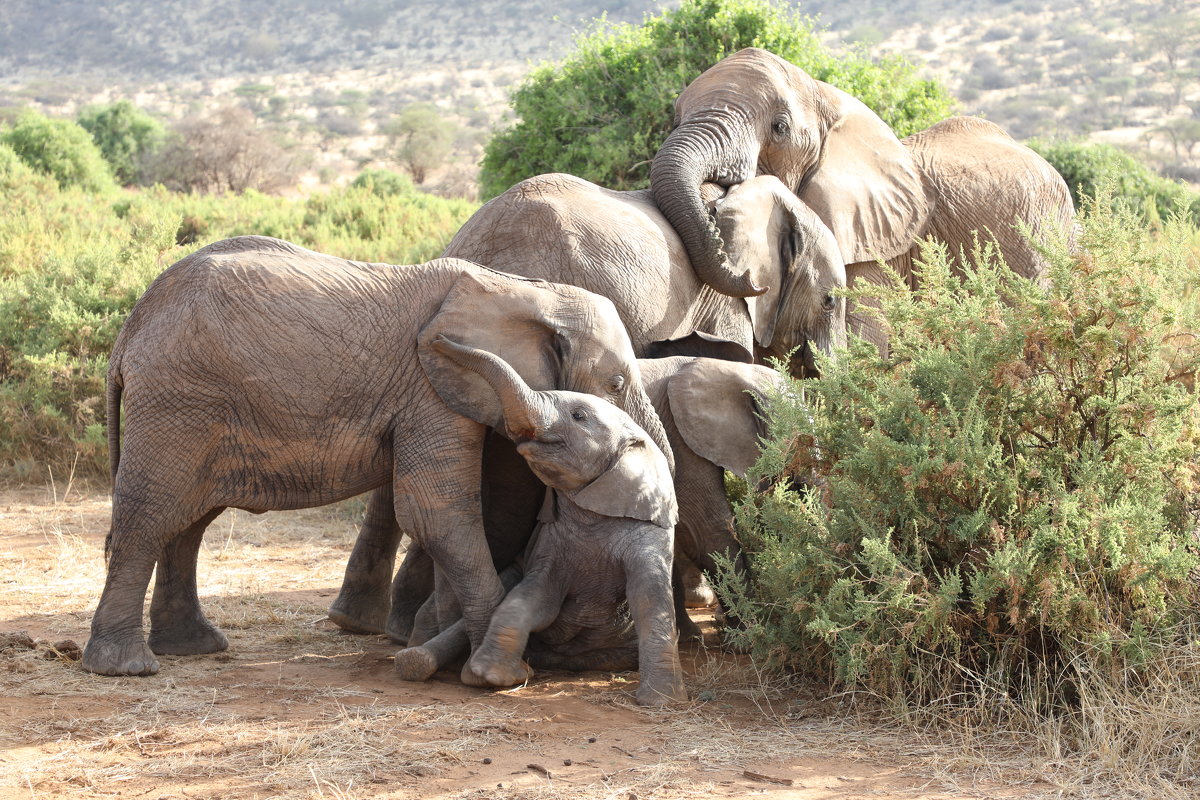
{"x":113,"y":413}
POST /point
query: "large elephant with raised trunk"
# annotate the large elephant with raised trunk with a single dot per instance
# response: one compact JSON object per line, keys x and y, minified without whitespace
{"x":753,"y":113}
{"x":259,"y":375}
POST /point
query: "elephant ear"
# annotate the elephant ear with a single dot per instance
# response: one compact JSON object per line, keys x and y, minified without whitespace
{"x":717,"y":406}
{"x":866,"y":188}
{"x":509,"y":317}
{"x":637,"y":485}
{"x":700,"y":344}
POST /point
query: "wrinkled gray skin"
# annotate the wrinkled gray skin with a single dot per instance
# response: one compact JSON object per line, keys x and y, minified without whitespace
{"x":605,"y":538}
{"x":754,"y":113}
{"x":617,"y":244}
{"x":259,"y":375}
{"x":712,"y":411}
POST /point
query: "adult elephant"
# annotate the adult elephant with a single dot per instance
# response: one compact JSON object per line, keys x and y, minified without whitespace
{"x":259,"y":375}
{"x":754,"y":113}
{"x":617,"y":244}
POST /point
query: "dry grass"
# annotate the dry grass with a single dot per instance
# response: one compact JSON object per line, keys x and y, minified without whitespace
{"x":295,"y":709}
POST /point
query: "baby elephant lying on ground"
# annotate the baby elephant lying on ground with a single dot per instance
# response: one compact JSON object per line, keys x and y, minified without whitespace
{"x":606,"y":538}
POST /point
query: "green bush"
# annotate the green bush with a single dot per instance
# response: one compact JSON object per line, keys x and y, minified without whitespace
{"x":127,"y":137}
{"x":73,"y":263}
{"x":604,"y":110}
{"x":1016,"y":483}
{"x":1087,"y":166}
{"x":59,"y":148}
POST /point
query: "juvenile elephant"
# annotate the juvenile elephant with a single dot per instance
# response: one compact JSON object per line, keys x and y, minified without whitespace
{"x":713,"y":412}
{"x":754,"y":113}
{"x":617,"y":244}
{"x":259,"y":375}
{"x":605,"y":539}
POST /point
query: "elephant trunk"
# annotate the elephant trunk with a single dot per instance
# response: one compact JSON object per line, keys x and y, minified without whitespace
{"x":642,"y":411}
{"x":689,"y":158}
{"x":525,"y":416}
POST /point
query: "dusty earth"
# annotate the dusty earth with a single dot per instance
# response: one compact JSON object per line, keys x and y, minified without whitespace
{"x":296,"y":708}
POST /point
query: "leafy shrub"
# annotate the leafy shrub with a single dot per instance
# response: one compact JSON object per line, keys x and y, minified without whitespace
{"x":1087,"y":166}
{"x":127,"y":137}
{"x":1017,"y":482}
{"x":605,"y":109}
{"x":383,"y":182}
{"x":73,"y":263}
{"x":60,"y":149}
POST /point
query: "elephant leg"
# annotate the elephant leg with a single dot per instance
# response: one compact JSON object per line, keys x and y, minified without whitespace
{"x":362,"y":604}
{"x":445,"y":602}
{"x":696,"y":591}
{"x":689,"y":631}
{"x":411,"y":587}
{"x":425,"y":623}
{"x":177,"y":623}
{"x":143,"y":520}
{"x":648,"y":590}
{"x":418,"y":663}
{"x":437,"y":497}
{"x":531,"y":606}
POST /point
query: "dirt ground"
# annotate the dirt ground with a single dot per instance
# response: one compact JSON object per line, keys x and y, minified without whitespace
{"x":296,"y":708}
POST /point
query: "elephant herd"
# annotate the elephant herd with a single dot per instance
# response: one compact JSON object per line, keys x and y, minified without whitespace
{"x":548,"y":410}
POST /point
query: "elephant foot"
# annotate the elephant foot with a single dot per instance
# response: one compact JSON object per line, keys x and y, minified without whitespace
{"x":399,"y":627}
{"x":689,"y":631}
{"x":654,"y":693}
{"x":699,"y":595}
{"x":357,"y":615}
{"x":415,"y":664}
{"x":124,"y":656}
{"x":482,"y":675}
{"x":190,"y":640}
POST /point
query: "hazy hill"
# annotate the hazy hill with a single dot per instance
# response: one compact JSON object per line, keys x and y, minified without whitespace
{"x":148,"y":40}
{"x":331,"y":73}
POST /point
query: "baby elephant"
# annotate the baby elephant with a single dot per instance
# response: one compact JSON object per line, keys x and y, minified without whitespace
{"x":606,"y":538}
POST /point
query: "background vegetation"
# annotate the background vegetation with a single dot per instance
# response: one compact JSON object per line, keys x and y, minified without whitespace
{"x":74,"y":260}
{"x":604,"y":110}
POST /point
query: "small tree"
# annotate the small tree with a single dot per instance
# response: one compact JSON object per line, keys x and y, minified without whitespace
{"x":224,"y":152}
{"x":604,"y":110}
{"x":422,"y":139}
{"x":126,"y":136}
{"x":59,"y":148}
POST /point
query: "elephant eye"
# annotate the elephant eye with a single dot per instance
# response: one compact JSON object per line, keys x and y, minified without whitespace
{"x":616,"y":384}
{"x":578,"y":414}
{"x":827,"y":301}
{"x":780,"y":126}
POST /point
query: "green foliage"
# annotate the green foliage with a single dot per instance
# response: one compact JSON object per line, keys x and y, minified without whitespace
{"x":1018,"y":480}
{"x":383,"y":182}
{"x":604,"y":110}
{"x":59,"y":148}
{"x":72,"y":264}
{"x":422,"y":138}
{"x":127,"y":137}
{"x":1088,"y":166}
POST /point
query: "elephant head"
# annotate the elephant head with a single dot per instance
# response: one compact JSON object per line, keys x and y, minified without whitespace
{"x":755,"y":113}
{"x":788,"y":249}
{"x":576,"y":443}
{"x":554,"y":336}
